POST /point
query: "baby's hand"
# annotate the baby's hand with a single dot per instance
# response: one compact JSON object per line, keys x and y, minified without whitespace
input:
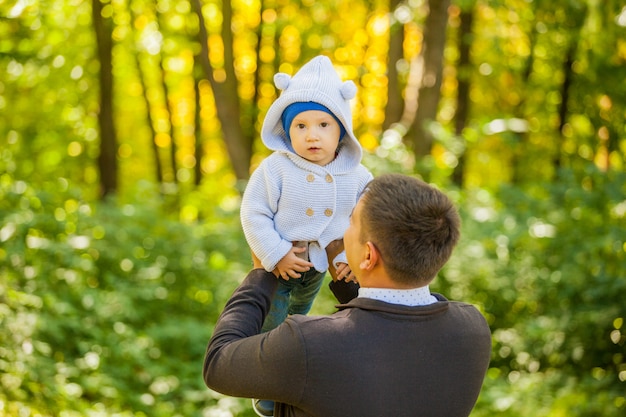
{"x":345,"y":273}
{"x":291,"y":264}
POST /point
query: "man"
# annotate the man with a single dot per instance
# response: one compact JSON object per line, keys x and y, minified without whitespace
{"x":395,"y":350}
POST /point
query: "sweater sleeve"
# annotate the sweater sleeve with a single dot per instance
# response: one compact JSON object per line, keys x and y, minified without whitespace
{"x":240,"y":361}
{"x":258,"y":208}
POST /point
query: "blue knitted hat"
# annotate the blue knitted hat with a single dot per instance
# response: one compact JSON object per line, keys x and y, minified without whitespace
{"x":295,"y":109}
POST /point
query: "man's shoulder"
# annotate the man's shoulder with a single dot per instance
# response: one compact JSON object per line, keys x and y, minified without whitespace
{"x":464,"y":306}
{"x":469,"y":315}
{"x":331,"y":323}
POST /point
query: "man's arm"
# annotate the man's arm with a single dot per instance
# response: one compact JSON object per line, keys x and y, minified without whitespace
{"x":242,"y":362}
{"x":244,"y":313}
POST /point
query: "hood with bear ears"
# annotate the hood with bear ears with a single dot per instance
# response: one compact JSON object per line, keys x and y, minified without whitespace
{"x":316,"y":81}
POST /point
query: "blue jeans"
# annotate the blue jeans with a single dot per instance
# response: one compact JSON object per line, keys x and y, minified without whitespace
{"x":293,"y":297}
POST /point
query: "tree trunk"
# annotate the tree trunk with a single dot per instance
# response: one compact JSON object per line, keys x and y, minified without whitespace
{"x":395,"y":102}
{"x":568,"y":74}
{"x":107,"y":159}
{"x":464,"y":67}
{"x":238,"y":146}
{"x":576,"y":20}
{"x":170,"y":129}
{"x":522,"y":138}
{"x":168,"y":107}
{"x":252,"y":108}
{"x":150,"y":122}
{"x":198,"y":121}
{"x":429,"y":90}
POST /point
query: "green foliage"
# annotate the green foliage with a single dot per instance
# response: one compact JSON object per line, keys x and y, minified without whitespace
{"x":107,"y":308}
{"x":546,"y":264}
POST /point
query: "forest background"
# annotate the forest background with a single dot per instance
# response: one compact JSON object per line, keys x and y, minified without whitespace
{"x":128,"y":129}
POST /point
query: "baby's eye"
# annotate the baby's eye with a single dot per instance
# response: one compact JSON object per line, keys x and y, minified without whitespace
{"x":300,"y":126}
{"x":324,"y":124}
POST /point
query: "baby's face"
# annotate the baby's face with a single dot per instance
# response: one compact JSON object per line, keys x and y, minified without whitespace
{"x":315,"y":136}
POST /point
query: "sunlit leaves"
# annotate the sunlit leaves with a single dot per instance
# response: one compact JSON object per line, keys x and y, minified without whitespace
{"x":518,"y":50}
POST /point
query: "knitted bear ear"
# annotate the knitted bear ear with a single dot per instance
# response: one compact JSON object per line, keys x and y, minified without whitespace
{"x":281,"y":80}
{"x":348,"y":90}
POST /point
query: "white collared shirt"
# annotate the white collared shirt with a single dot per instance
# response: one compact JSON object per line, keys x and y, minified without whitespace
{"x":412,"y":297}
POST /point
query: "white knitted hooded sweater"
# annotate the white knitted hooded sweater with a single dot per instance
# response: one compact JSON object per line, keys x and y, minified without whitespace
{"x":291,"y":199}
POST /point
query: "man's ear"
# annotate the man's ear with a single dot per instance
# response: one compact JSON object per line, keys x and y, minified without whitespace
{"x":372,"y":257}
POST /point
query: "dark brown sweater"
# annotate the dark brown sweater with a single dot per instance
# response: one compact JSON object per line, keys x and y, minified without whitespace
{"x":369,"y":359}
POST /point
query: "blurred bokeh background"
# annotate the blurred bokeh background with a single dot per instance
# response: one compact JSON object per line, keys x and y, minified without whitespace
{"x":128,"y":129}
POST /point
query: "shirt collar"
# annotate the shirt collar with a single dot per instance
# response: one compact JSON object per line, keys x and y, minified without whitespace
{"x":412,"y":297}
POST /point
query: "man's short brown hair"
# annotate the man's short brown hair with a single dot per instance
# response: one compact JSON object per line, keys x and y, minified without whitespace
{"x":413,"y":225}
